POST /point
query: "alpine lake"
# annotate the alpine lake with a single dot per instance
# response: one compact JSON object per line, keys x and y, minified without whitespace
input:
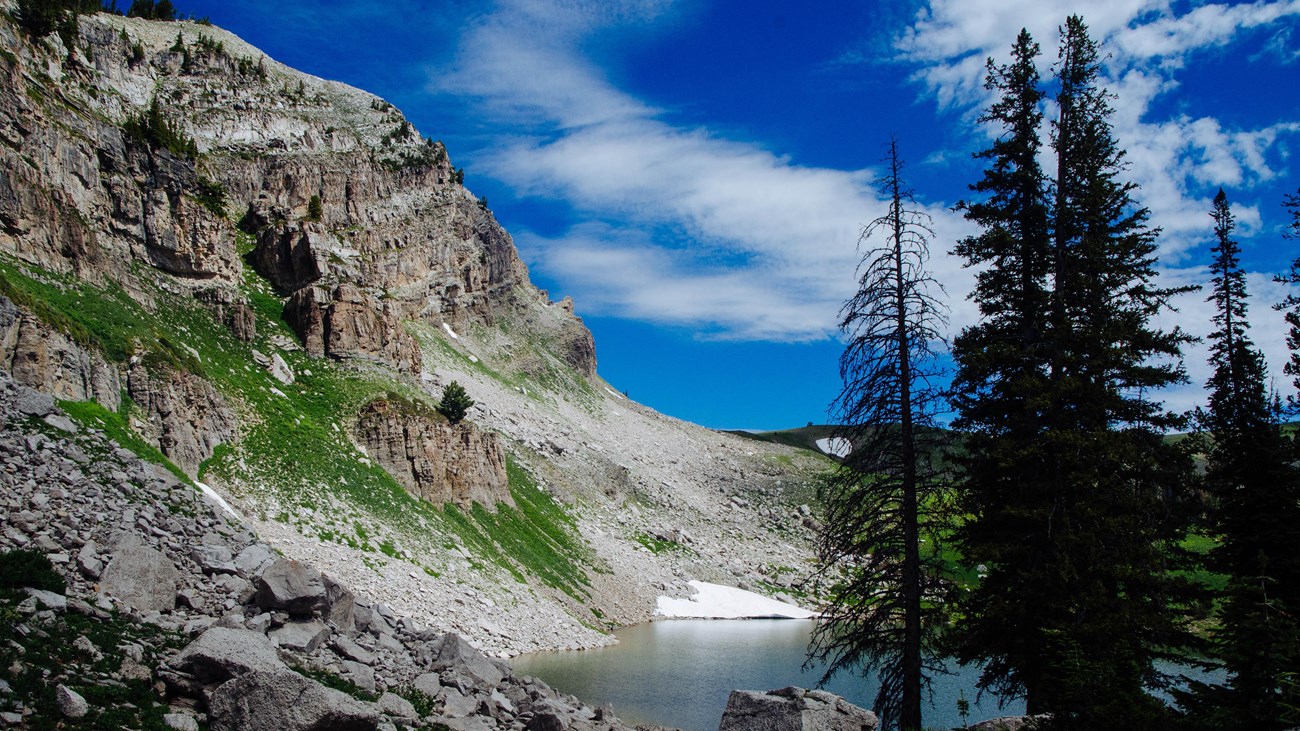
{"x":678,"y":673}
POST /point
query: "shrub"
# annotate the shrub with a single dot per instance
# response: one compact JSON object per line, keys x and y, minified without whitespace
{"x":314,"y":209}
{"x":24,"y":567}
{"x":455,"y":402}
{"x":212,"y":194}
{"x":157,"y":131}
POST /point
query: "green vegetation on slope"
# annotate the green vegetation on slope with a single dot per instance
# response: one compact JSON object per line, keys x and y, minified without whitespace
{"x":38,"y":655}
{"x":117,"y":426}
{"x":294,"y":457}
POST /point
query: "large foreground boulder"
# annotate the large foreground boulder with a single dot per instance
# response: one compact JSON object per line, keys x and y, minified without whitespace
{"x":286,"y":701}
{"x":460,"y":657}
{"x":141,"y":577}
{"x":221,"y":653}
{"x":293,"y":586}
{"x":793,"y":709}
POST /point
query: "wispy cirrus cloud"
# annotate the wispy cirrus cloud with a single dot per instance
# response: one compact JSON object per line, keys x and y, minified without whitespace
{"x":682,"y":226}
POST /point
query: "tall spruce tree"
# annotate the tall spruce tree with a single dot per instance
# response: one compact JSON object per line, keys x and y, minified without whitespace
{"x":1072,"y":495}
{"x":881,"y":504}
{"x":1253,"y":479}
{"x":1000,"y":382}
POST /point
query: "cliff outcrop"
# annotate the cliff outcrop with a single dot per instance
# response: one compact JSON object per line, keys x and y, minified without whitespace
{"x":86,"y":192}
{"x":436,"y":460}
{"x":348,"y":323}
{"x":183,"y":414}
{"x":40,"y":357}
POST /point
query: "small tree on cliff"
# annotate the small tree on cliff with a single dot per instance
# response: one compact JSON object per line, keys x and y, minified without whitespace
{"x":455,"y":402}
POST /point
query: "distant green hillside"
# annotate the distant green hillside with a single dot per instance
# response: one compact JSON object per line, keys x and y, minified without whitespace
{"x":804,"y":437}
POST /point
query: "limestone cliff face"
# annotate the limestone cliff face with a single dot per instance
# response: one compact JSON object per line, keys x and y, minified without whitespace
{"x":438,"y":461}
{"x":182,"y":414}
{"x":40,"y":357}
{"x":347,"y":323}
{"x":79,"y":195}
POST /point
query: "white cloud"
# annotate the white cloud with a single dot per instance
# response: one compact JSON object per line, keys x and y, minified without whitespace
{"x":722,"y":236}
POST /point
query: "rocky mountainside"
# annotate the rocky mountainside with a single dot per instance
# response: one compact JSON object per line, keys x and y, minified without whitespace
{"x":263,"y":281}
{"x":170,"y":614}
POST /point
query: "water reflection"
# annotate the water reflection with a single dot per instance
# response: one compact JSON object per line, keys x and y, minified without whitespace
{"x":679,"y":673}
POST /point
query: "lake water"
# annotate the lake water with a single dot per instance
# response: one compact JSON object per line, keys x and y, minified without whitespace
{"x":679,"y":672}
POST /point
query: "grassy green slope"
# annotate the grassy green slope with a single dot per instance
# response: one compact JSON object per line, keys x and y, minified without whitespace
{"x":294,"y":461}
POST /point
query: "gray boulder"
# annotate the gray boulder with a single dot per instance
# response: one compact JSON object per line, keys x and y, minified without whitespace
{"x":48,"y":599}
{"x":181,"y":722}
{"x":456,"y":704}
{"x":302,"y":637}
{"x":460,"y":657}
{"x":252,"y":561}
{"x":214,"y":559}
{"x":398,"y":707}
{"x":340,"y":606}
{"x":349,"y":650}
{"x":793,"y":709}
{"x":141,"y":577}
{"x":363,"y":676}
{"x":31,"y":402}
{"x":428,"y":684}
{"x":286,"y":701}
{"x":70,"y":702}
{"x":293,"y":586}
{"x":221,"y":653}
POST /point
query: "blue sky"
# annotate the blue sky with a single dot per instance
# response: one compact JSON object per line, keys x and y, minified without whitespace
{"x":696,"y":174}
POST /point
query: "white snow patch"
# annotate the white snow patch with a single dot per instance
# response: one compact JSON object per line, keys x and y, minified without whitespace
{"x":450,"y":332}
{"x":835,"y":446}
{"x":219,"y":500}
{"x":614,"y":393}
{"x":714,"y":601}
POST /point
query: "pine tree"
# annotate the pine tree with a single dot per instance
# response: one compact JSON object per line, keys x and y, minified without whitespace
{"x":1000,"y":381}
{"x":881,"y":504}
{"x":1072,"y":493}
{"x":455,"y":402}
{"x":1251,"y":474}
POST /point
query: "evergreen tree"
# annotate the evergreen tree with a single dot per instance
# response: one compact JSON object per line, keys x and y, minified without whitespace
{"x":881,"y":504}
{"x":1251,"y":475}
{"x":455,"y":403}
{"x":38,"y":17}
{"x":1291,"y":305}
{"x":151,"y":10}
{"x":1072,"y":494}
{"x":1000,"y":381}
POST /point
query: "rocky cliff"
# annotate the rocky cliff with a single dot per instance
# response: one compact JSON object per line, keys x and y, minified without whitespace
{"x":439,"y":461}
{"x":227,"y":266}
